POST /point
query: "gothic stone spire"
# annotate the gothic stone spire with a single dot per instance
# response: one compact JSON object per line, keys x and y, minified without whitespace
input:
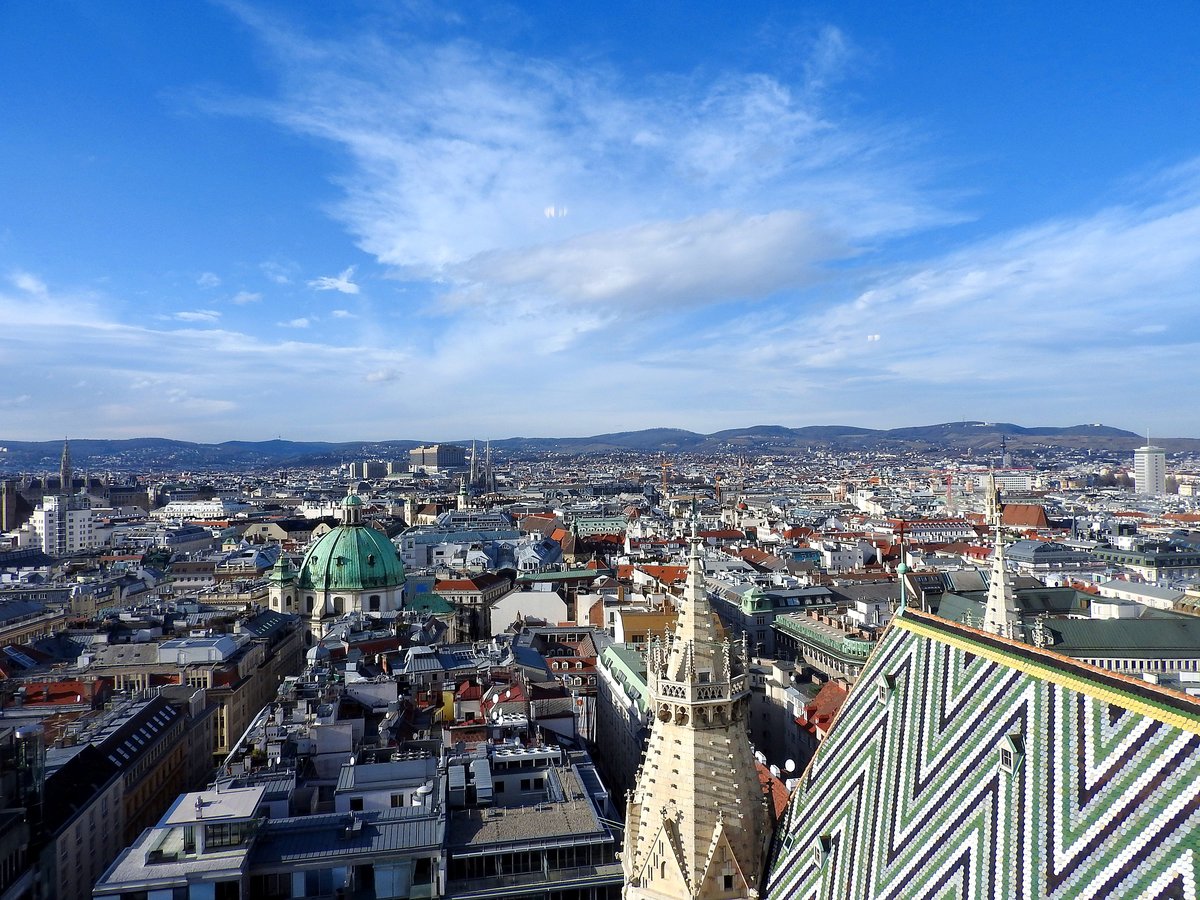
{"x":696,"y":825}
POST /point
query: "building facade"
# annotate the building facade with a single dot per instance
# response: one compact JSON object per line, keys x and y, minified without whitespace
{"x":1150,"y":470}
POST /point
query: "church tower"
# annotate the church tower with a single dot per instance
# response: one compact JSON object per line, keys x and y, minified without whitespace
{"x":1000,"y":615}
{"x":66,"y":475}
{"x":696,"y":823}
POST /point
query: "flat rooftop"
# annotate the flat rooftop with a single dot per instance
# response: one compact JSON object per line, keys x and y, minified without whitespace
{"x":208,"y":806}
{"x":567,"y":820}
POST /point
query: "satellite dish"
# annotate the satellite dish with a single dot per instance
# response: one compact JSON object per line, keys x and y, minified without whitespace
{"x":508,"y":695}
{"x":790,"y":765}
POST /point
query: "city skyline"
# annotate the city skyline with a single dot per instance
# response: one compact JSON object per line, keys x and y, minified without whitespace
{"x":251,"y":220}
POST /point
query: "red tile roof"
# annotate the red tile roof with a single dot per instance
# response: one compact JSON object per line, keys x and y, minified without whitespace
{"x":774,"y":790}
{"x":824,"y":707}
{"x":469,"y":690}
{"x":665,"y":574}
{"x":1024,"y":515}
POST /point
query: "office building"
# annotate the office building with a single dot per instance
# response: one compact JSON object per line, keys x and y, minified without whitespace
{"x":1150,"y":470}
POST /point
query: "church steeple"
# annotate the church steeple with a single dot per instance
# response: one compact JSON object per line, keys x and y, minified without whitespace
{"x":696,"y":823}
{"x":1001,"y":615}
{"x":66,"y":477}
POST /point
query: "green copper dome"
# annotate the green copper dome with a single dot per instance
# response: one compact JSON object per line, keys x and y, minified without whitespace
{"x":352,"y":557}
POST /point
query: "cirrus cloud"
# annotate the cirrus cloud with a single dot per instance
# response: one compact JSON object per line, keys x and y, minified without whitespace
{"x":342,"y":282}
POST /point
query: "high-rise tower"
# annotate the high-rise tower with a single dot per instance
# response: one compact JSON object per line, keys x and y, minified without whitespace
{"x":696,"y":823}
{"x":1150,"y":470}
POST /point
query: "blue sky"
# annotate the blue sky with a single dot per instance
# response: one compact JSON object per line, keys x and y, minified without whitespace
{"x":369,"y":221}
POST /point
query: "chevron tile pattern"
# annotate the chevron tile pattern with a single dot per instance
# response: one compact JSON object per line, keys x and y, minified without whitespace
{"x":965,"y":765}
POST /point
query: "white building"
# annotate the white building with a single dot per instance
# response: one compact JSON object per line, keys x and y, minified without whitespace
{"x":547,"y":606}
{"x":1150,"y":470}
{"x":1013,"y":482}
{"x":200,"y":509}
{"x":65,"y":525}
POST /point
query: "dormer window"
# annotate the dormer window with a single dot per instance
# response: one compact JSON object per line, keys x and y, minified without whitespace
{"x":884,"y":686}
{"x":1012,"y":751}
{"x":824,"y":848}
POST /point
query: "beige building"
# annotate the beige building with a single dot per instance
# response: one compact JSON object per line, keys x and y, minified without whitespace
{"x":239,"y":673}
{"x":697,"y":823}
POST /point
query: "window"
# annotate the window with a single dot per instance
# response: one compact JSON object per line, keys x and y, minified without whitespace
{"x":356,"y":804}
{"x":824,"y":848}
{"x":1012,"y":749}
{"x":397,"y":801}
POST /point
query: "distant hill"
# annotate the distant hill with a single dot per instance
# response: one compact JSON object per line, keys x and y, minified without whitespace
{"x":164,"y":454}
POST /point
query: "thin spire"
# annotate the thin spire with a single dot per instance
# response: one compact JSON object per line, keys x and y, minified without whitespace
{"x":1001,"y":615}
{"x":66,"y":477}
{"x":694,"y":624}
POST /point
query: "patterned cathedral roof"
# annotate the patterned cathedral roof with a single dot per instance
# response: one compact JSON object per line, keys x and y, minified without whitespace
{"x":966,"y":764}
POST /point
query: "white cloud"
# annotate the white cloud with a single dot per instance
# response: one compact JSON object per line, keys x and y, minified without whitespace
{"x":721,"y":255}
{"x":209,"y":280}
{"x":380,"y":376}
{"x":197,"y":315}
{"x":341,"y":282}
{"x":13,"y":402}
{"x":1020,"y":321}
{"x":302,"y":322}
{"x":29,"y":283}
{"x":466,"y":160}
{"x":343,"y":314}
{"x":277,"y":272}
{"x":244,"y":297}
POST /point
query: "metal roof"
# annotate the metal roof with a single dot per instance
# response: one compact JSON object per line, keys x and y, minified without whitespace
{"x":302,"y":839}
